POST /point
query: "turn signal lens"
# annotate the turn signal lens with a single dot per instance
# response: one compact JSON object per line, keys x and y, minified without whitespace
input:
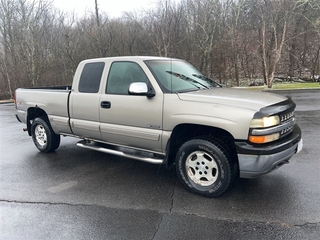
{"x":264,"y":139}
{"x":265,"y":122}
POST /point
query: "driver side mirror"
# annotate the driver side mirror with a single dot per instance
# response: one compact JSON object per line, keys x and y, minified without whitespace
{"x":141,"y":89}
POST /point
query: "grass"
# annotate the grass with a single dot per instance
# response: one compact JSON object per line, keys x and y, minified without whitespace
{"x":288,"y":86}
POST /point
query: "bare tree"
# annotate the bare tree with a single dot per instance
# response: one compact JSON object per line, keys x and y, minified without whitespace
{"x":159,"y":24}
{"x":204,"y":18}
{"x":314,"y":18}
{"x":274,"y":17}
{"x":225,"y":38}
{"x":7,"y":50}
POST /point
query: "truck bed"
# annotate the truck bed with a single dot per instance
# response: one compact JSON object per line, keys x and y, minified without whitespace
{"x":54,"y":101}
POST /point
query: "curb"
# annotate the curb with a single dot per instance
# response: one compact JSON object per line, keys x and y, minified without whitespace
{"x":291,"y":89}
{"x":6,"y":101}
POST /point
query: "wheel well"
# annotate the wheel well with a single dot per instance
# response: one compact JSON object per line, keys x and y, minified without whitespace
{"x":33,"y":113}
{"x":185,"y":132}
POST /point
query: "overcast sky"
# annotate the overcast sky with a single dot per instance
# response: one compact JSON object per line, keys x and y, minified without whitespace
{"x":114,"y":8}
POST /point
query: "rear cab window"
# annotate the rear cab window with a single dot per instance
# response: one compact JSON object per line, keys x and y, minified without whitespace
{"x":91,"y":77}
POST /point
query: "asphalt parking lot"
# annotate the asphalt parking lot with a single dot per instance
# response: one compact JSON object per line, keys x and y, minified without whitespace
{"x":76,"y":193}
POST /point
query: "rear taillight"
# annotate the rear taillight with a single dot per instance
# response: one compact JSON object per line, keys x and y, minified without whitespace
{"x":15,"y":99}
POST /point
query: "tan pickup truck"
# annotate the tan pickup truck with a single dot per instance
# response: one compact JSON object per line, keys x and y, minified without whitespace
{"x":164,"y":111}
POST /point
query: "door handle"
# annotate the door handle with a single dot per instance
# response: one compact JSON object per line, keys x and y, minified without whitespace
{"x":105,"y":104}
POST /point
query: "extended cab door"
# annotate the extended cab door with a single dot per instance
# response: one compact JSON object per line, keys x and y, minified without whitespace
{"x":130,"y":120}
{"x":85,"y":100}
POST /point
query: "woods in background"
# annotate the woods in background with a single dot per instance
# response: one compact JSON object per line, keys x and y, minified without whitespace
{"x":230,"y":41}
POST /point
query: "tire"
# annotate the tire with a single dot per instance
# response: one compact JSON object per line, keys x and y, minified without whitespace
{"x":205,"y":167}
{"x":43,"y":136}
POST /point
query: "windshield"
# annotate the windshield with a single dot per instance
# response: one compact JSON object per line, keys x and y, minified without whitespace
{"x":179,"y":76}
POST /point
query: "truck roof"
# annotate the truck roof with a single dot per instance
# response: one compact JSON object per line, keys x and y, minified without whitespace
{"x":129,"y":58}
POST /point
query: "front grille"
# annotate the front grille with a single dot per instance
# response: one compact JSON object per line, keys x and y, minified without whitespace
{"x":286,"y":131}
{"x":286,"y":117}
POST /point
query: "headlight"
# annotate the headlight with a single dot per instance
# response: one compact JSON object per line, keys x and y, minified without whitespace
{"x":265,"y":122}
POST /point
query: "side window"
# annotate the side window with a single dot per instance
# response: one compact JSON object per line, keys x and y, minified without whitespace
{"x":90,"y":77}
{"x":121,"y":75}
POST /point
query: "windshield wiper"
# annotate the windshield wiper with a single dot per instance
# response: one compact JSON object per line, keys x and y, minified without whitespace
{"x":192,"y":81}
{"x":210,"y":81}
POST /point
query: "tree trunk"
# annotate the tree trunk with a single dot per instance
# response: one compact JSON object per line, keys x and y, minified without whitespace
{"x":97,"y":13}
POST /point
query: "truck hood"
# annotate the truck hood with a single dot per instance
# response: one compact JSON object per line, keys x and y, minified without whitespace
{"x":233,"y":97}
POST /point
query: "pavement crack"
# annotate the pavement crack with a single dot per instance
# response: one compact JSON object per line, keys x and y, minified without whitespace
{"x":158,"y":227}
{"x":308,"y":224}
{"x":43,"y":203}
{"x":173,"y":193}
